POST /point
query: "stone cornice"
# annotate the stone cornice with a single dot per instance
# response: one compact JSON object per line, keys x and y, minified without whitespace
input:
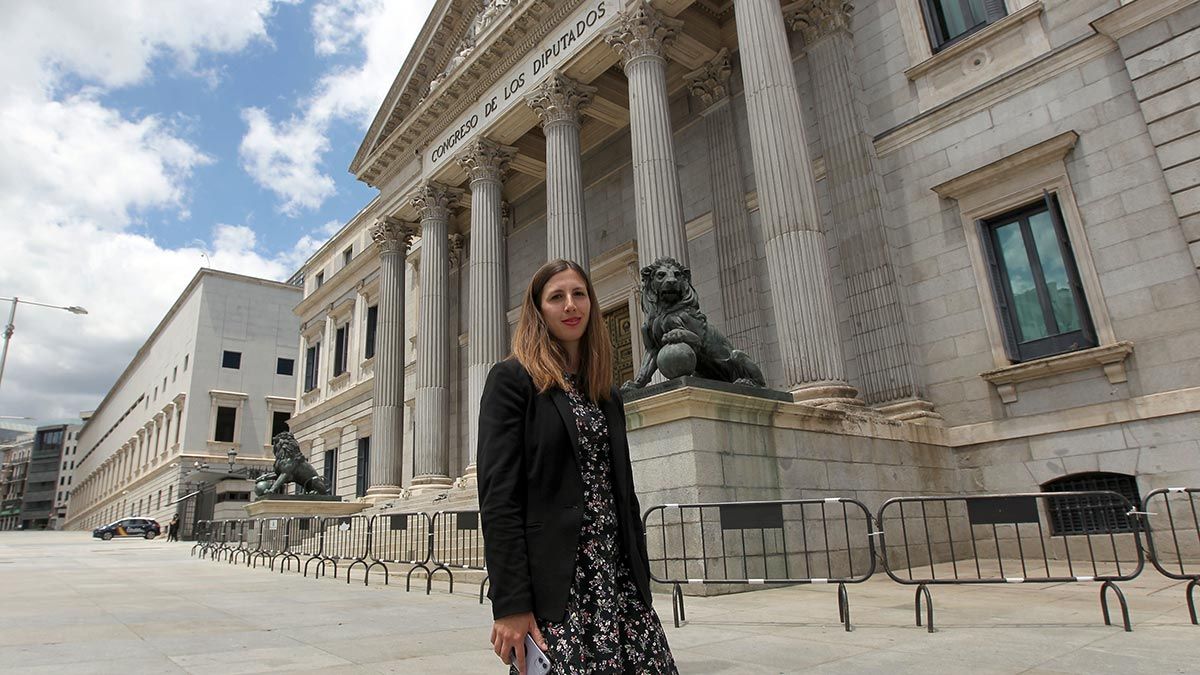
{"x":1035,"y":155}
{"x":517,"y":33}
{"x":642,"y":32}
{"x":815,"y":19}
{"x":710,"y":82}
{"x":1136,"y":15}
{"x":1110,"y":357}
{"x":559,"y":99}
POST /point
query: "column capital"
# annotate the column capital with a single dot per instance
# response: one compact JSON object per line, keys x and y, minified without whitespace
{"x":393,"y":235}
{"x":815,"y":19}
{"x":710,"y":82}
{"x":485,"y":160}
{"x":642,"y":31}
{"x":458,"y":248}
{"x":559,"y":99}
{"x":434,"y":200}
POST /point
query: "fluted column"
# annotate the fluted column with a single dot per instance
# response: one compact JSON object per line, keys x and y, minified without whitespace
{"x":640,"y":36}
{"x":557,"y":102}
{"x":431,"y":457}
{"x":385,"y":474}
{"x":797,"y":261}
{"x":889,"y":378}
{"x":731,"y":222}
{"x":486,"y":163}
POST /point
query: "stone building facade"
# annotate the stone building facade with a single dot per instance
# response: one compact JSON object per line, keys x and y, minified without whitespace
{"x":963,"y":235}
{"x":14,"y":467}
{"x":202,"y":397}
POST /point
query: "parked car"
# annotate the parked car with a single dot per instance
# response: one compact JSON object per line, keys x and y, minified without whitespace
{"x":128,"y":527}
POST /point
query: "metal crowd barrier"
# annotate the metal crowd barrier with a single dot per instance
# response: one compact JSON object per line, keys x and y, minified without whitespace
{"x":401,"y":539}
{"x":203,"y":534}
{"x":457,"y":543}
{"x":272,"y":542}
{"x":1173,"y":537}
{"x":970,"y":537}
{"x":344,"y":538}
{"x":795,"y":541}
{"x":248,"y":535}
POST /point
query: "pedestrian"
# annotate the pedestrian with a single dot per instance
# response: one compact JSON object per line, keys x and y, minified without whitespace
{"x":173,"y":528}
{"x":563,"y":537}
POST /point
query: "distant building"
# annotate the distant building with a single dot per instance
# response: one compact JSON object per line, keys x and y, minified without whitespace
{"x":46,"y":482}
{"x":14,"y":467}
{"x":204,"y":395}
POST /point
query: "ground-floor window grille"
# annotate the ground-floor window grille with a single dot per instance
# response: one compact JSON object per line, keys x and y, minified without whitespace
{"x":1091,"y":514}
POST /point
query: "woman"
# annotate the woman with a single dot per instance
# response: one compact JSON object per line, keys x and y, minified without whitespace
{"x":563,"y":539}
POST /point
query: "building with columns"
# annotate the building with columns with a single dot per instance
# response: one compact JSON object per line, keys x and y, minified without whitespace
{"x":970,"y":226}
{"x":203,"y":396}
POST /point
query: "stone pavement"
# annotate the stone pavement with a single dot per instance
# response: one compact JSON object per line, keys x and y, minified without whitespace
{"x":70,"y":603}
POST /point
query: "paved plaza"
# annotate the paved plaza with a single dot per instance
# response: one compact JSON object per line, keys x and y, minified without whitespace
{"x":79,"y":605}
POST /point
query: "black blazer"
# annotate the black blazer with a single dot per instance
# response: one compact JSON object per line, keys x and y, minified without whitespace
{"x":531,"y":493}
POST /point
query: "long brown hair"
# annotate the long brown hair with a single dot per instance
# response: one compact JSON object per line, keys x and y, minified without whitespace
{"x":543,"y":356}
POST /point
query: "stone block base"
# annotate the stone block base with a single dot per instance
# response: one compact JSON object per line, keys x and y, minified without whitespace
{"x":278,"y":508}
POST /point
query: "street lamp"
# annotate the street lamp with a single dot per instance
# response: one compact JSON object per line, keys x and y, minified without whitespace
{"x":12,"y":315}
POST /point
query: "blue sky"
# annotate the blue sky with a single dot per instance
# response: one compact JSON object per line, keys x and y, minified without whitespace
{"x":140,"y":140}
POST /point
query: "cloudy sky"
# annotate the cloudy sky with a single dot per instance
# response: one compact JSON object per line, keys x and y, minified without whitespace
{"x":140,"y":141}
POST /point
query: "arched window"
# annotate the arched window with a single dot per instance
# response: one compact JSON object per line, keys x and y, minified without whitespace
{"x":1088,"y":514}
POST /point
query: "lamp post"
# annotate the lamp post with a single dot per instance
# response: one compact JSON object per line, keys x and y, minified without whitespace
{"x":12,"y":315}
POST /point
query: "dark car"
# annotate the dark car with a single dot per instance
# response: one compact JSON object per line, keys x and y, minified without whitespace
{"x":128,"y":527}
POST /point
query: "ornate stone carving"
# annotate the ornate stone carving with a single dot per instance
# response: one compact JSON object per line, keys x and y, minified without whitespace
{"x":506,"y":217}
{"x":559,"y":99}
{"x":434,"y":200}
{"x":486,"y":160}
{"x":817,"y":18}
{"x":393,"y":235}
{"x":487,"y":15}
{"x":710,"y":82}
{"x":642,"y":31}
{"x":458,"y":248}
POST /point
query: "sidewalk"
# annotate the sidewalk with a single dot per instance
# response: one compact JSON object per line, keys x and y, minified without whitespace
{"x":136,"y":606}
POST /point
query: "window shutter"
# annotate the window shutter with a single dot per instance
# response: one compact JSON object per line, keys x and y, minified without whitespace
{"x":998,"y":291}
{"x":1068,"y":254}
{"x":995,"y":9}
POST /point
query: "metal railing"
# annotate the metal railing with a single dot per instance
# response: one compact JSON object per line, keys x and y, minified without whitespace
{"x":1173,"y":537}
{"x":457,"y":543}
{"x":203,"y":536}
{"x":401,"y":539}
{"x":795,"y":541}
{"x":272,"y":542}
{"x":1000,"y":539}
{"x":344,"y":538}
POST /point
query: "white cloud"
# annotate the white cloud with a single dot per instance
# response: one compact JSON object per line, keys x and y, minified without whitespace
{"x":384,"y":32}
{"x":76,"y":175}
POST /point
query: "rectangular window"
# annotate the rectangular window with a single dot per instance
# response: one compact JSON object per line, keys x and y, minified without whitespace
{"x":231,"y":360}
{"x":226,"y":419}
{"x":185,"y":362}
{"x":950,"y":20}
{"x":1041,"y":305}
{"x":285,"y":366}
{"x":340,"y":341}
{"x":279,"y":422}
{"x":330,"y":469}
{"x":174,"y":373}
{"x":372,"y":323}
{"x":312,"y":361}
{"x":347,"y":256}
{"x":362,"y":475}
{"x":170,"y":493}
{"x":320,"y":279}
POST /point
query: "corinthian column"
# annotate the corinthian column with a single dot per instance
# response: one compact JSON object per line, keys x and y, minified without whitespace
{"x":431,"y":460}
{"x":877,"y":314}
{"x":640,"y":36}
{"x":731,"y":222}
{"x":392,"y":236}
{"x":797,"y":262}
{"x":557,"y":102}
{"x":485,"y":163}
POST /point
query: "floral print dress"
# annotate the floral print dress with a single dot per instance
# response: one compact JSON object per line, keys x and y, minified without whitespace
{"x":608,"y":626}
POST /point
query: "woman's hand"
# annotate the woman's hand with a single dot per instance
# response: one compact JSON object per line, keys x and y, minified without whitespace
{"x":508,"y":635}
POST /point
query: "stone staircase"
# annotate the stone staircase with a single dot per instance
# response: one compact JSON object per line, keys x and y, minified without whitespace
{"x":453,"y":498}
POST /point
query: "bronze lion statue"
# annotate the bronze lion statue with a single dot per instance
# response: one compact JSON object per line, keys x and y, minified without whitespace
{"x":678,"y":338}
{"x":291,"y":466}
